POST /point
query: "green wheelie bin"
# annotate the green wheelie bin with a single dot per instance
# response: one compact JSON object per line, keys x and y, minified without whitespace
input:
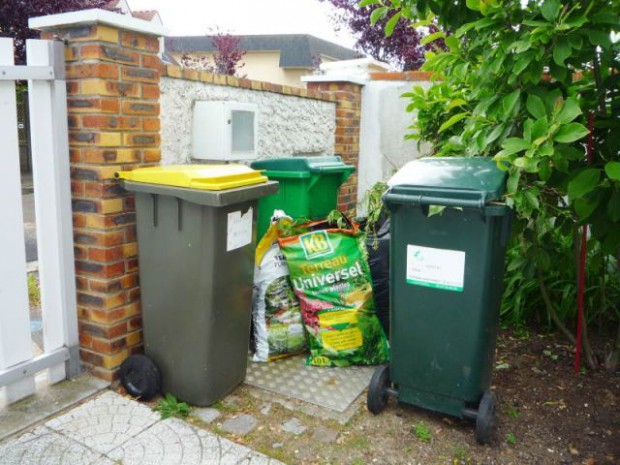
{"x":449,"y":231}
{"x":308,"y":187}
{"x":196,"y":239}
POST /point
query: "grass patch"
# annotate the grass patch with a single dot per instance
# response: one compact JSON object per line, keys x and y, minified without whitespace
{"x":512,"y":412}
{"x":226,"y":407}
{"x":359,"y":442}
{"x":422,"y":432}
{"x":169,"y":406}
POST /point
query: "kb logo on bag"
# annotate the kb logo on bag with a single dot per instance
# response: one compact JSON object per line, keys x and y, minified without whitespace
{"x":316,"y":244}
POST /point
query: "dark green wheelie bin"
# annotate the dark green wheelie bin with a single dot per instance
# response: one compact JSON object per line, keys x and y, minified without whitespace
{"x":196,"y":237}
{"x":446,"y":279}
{"x":308,"y":187}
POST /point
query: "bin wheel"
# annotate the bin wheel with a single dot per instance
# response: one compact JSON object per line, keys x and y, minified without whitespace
{"x":378,"y":389}
{"x":485,"y":420}
{"x":140,"y":377}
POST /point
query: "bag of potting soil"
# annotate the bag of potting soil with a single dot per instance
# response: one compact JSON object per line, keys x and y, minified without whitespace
{"x":278,"y":329}
{"x":330,"y":275}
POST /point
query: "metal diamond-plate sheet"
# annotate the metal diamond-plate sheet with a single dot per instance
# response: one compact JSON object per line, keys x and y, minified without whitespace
{"x":334,"y":388}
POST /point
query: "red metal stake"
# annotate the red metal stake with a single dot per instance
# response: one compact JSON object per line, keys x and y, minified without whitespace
{"x":583,"y":258}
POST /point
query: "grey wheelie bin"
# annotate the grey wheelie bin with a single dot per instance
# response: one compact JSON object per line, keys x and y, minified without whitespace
{"x":446,"y":274}
{"x":196,"y":239}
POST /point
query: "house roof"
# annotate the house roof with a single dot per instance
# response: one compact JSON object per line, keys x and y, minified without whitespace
{"x":112,"y":4}
{"x":146,"y":15}
{"x":122,"y":7}
{"x":296,"y":50}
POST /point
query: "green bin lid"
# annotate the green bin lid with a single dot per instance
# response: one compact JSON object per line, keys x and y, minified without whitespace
{"x":459,"y":179}
{"x":302,"y":166}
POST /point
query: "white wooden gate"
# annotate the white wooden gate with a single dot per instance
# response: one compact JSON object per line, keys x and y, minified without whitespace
{"x":21,"y":370}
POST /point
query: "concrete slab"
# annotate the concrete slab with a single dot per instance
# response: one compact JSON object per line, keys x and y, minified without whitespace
{"x":207,"y":414}
{"x":172,"y":441}
{"x":47,"y":402}
{"x":46,"y":447}
{"x":266,"y":409}
{"x":241,"y":425}
{"x":105,"y":422}
{"x":293,"y":426}
{"x":111,"y":429}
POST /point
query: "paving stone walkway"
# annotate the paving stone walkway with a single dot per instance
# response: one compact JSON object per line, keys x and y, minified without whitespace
{"x":112,"y":430}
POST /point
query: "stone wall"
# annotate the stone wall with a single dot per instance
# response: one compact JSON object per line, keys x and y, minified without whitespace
{"x":291,"y":121}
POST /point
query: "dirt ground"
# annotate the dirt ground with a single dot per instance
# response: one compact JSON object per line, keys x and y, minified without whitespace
{"x":547,"y":415}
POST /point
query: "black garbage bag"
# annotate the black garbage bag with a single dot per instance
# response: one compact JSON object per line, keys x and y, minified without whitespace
{"x":378,"y":246}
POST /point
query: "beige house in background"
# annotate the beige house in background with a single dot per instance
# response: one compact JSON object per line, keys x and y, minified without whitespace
{"x":280,"y":59}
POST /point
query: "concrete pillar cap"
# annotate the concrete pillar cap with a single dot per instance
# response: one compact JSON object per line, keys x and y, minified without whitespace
{"x":96,"y":16}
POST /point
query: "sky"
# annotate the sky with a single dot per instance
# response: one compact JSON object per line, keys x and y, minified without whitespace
{"x":196,"y":17}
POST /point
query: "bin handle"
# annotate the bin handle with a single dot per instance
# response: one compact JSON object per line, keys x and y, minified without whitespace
{"x":332,"y":168}
{"x":345,"y":171}
{"x":433,"y":200}
{"x":179,"y":214}
{"x":155,"y":199}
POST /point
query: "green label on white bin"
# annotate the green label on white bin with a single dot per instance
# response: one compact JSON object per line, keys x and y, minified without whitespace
{"x":436,"y":268}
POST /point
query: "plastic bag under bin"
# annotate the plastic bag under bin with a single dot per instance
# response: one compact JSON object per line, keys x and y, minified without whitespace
{"x":378,"y":246}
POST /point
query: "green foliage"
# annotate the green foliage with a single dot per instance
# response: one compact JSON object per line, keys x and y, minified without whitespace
{"x":533,"y":84}
{"x":551,"y":251}
{"x":226,"y":407}
{"x":373,"y":204}
{"x":493,"y":98}
{"x":513,"y":412}
{"x":169,"y":407}
{"x":459,"y":454}
{"x":511,"y":438}
{"x":34,"y":292}
{"x":422,"y":432}
{"x":550,"y":354}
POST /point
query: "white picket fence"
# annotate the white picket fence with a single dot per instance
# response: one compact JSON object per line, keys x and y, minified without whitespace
{"x":22,"y":369}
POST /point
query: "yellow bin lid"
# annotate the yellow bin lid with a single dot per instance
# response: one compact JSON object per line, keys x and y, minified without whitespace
{"x":206,"y":177}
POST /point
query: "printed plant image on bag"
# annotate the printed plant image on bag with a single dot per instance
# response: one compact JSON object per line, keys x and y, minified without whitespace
{"x":330,"y":276}
{"x":278,"y":328}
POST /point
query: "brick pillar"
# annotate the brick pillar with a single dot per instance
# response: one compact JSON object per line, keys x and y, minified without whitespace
{"x":113,"y":102}
{"x":348,"y":97}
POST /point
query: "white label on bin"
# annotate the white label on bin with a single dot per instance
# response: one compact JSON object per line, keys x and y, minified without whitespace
{"x":239,"y":229}
{"x":436,"y":268}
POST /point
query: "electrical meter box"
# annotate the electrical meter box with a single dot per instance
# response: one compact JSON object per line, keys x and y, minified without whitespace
{"x":224,"y":130}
